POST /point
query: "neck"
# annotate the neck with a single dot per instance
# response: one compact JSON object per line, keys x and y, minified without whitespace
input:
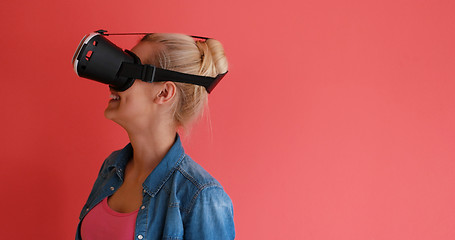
{"x":149,"y":148}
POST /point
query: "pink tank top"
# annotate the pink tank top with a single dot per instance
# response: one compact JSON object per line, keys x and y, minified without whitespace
{"x":104,"y":223}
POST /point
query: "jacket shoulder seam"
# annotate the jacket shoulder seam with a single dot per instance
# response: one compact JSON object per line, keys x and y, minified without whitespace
{"x":196,"y":195}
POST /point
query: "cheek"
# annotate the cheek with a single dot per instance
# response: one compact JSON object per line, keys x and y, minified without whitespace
{"x":135,"y":107}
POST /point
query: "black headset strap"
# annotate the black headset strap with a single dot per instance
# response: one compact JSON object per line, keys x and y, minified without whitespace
{"x":105,"y":33}
{"x":150,"y":73}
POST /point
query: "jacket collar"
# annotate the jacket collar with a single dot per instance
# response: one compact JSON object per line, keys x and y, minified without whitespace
{"x":162,"y":172}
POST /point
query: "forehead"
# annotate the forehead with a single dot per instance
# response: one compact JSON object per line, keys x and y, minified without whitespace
{"x":147,"y":51}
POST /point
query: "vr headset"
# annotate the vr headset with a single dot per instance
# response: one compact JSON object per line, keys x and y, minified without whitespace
{"x":99,"y":59}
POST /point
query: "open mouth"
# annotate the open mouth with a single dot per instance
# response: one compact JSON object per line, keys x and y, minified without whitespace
{"x":114,"y":96}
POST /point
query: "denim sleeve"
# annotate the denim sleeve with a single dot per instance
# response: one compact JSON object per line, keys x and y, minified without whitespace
{"x":211,"y":216}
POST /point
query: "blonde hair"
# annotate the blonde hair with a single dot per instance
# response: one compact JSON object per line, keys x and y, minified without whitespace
{"x":184,"y":54}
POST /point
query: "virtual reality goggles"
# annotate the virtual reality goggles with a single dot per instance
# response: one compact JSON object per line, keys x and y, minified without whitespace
{"x":99,"y":59}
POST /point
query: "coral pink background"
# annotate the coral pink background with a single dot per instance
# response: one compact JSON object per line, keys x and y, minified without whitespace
{"x":336,"y":120}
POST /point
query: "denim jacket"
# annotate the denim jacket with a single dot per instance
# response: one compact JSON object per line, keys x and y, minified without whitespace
{"x":180,"y":199}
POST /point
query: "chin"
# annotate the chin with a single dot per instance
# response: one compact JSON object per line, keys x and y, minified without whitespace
{"x":114,"y":116}
{"x":109,"y":114}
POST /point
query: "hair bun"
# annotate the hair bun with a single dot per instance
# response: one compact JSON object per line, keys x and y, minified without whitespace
{"x":214,"y":61}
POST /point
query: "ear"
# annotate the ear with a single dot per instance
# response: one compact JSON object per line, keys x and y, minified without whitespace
{"x":166,"y":93}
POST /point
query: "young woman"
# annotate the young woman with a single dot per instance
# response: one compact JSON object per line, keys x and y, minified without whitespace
{"x":151,"y":189}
